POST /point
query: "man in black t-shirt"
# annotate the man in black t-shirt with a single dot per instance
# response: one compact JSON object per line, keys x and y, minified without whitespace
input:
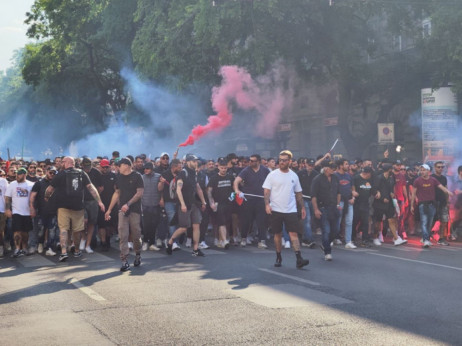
{"x":69,"y":185}
{"x":189,"y":212}
{"x":106,"y":228}
{"x":442,"y":209}
{"x":128,"y":193}
{"x":362,"y":185}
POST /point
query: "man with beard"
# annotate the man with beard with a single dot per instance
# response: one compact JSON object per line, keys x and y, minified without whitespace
{"x":283,"y":193}
{"x":306,"y":177}
{"x":17,"y":206}
{"x":234,"y":170}
{"x":346,"y":202}
{"x":442,"y":209}
{"x":362,"y":185}
{"x":139,"y":164}
{"x":106,"y":228}
{"x":163,"y":163}
{"x":32,"y":172}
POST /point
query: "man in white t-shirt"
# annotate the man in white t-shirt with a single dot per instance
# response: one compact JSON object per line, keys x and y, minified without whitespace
{"x":3,"y":186}
{"x":17,"y":206}
{"x":282,"y":193}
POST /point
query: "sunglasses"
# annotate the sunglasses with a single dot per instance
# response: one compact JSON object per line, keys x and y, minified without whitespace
{"x":51,"y":172}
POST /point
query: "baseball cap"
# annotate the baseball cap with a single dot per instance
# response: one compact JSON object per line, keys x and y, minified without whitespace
{"x":191,"y":157}
{"x":86,"y":162}
{"x":52,"y":168}
{"x":425,"y":166}
{"x":104,"y":163}
{"x":125,"y":161}
{"x":22,"y":170}
{"x":310,"y":161}
{"x":164,"y":154}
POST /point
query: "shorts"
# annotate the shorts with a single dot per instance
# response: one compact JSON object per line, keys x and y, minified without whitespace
{"x":102,"y":223}
{"x":22,"y":223}
{"x":190,"y":217}
{"x":442,"y":212}
{"x":91,"y":211}
{"x":379,"y":213}
{"x":291,"y":220}
{"x":222,"y":217}
{"x":71,"y":220}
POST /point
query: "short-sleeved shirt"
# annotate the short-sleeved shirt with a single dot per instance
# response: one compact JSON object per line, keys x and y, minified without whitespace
{"x":108,"y":181}
{"x":363,"y":188}
{"x":253,"y":181}
{"x":3,"y":187}
{"x":283,"y":186}
{"x":168,"y":176}
{"x":20,"y":195}
{"x":222,"y":187}
{"x":345,"y":183}
{"x":127,"y":186}
{"x":306,"y":178}
{"x":426,"y":189}
{"x":400,"y":182}
{"x":386,"y":187}
{"x":440,"y":195}
{"x":62,"y":199}
{"x":324,"y":190}
{"x":44,"y":207}
{"x":189,"y":178}
{"x":96,"y":180}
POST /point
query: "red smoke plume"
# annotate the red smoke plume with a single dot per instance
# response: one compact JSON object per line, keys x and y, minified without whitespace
{"x":238,"y":87}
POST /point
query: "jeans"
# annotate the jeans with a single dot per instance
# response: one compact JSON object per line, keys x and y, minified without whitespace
{"x":33,"y":234}
{"x":329,"y":225}
{"x":308,"y":233}
{"x":427,"y":213}
{"x":170,"y":209}
{"x":348,"y":213}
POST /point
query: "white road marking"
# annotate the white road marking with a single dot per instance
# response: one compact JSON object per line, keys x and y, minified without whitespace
{"x":290,"y":277}
{"x":416,"y":261}
{"x":87,"y":290}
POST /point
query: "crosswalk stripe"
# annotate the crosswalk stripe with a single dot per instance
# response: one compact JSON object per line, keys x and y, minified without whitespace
{"x":35,"y":261}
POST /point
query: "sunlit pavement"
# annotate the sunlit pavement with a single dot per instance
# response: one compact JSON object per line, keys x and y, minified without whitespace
{"x":379,"y":295}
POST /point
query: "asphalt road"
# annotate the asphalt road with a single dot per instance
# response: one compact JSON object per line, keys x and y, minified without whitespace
{"x":379,"y":296}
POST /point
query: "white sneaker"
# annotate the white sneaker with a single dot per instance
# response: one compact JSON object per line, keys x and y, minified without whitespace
{"x":188,"y":242}
{"x":154,"y":248}
{"x":50,"y":252}
{"x":427,"y":243}
{"x":159,"y":243}
{"x":2,"y":251}
{"x":130,"y":245}
{"x":8,"y":246}
{"x":243,"y":242}
{"x":220,"y":244}
{"x":328,"y":257}
{"x":31,"y":250}
{"x":377,"y":242}
{"x":283,"y":242}
{"x":262,"y":245}
{"x":404,"y":235}
{"x":203,"y":245}
{"x":40,"y":248}
{"x":144,"y":247}
{"x":88,"y":250}
{"x":215,"y":242}
{"x":287,"y":245}
{"x":82,"y":244}
{"x":175,"y":246}
{"x":337,"y":242}
{"x":381,"y":237}
{"x":350,"y":245}
{"x":399,"y":241}
{"x":249,"y":240}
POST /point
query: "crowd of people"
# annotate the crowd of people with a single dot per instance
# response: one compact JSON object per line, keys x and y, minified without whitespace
{"x":67,"y":206}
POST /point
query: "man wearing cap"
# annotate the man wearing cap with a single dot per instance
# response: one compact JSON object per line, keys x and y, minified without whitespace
{"x":325,"y":196}
{"x":69,"y":185}
{"x":189,"y":212}
{"x":384,"y":209}
{"x":46,"y":210}
{"x":163,"y":164}
{"x":128,"y":194}
{"x":283,"y":194}
{"x":306,"y":177}
{"x":106,"y":228}
{"x":425,"y":191}
{"x":17,"y":207}
{"x":150,"y":206}
{"x":91,"y":205}
{"x":362,"y":185}
{"x":442,"y":201}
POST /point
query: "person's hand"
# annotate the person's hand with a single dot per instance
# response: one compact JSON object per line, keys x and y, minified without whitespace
{"x":377,"y":195}
{"x":162,"y":203}
{"x":268,"y":209}
{"x":214,"y":206}
{"x":317,"y":213}
{"x":351,"y":201}
{"x":303,"y":213}
{"x":33,"y":213}
{"x":162,"y":180}
{"x":8,"y":214}
{"x":107,"y":216}
{"x":102,"y":207}
{"x":412,"y":209}
{"x":204,"y":205}
{"x":124,"y":208}
{"x":183,"y":208}
{"x":385,"y":200}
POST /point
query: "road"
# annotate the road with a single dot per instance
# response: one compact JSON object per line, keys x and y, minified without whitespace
{"x":377,"y":296}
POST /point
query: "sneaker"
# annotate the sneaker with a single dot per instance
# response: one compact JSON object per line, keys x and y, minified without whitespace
{"x":249,"y":240}
{"x":399,"y":241}
{"x":2,"y":251}
{"x":169,"y":249}
{"x":427,"y":244}
{"x":176,"y":247}
{"x":453,"y":237}
{"x":159,"y":243}
{"x":154,"y":248}
{"x":287,"y":245}
{"x":137,"y":261}
{"x":188,"y":242}
{"x":125,"y":267}
{"x":226,"y":244}
{"x":350,"y":245}
{"x":50,"y":252}
{"x":8,"y":247}
{"x":203,"y":245}
{"x":30,"y":251}
{"x":88,"y":250}
{"x":144,"y":247}
{"x":443,"y":241}
{"x":198,"y":253}
{"x":328,"y":257}
{"x":78,"y":254}
{"x":130,"y":245}
{"x":381,"y":237}
{"x":237,"y":240}
{"x":262,"y":245}
{"x":216,"y":242}
{"x":40,"y":248}
{"x":63,"y":257}
{"x":16,"y":253}
{"x":72,"y":248}
{"x":82,"y":245}
{"x":309,"y":244}
{"x":243,"y":242}
{"x":337,"y":242}
{"x":302,"y":262}
{"x":220,"y":244}
{"x":404,"y":235}
{"x":421,"y":241}
{"x":365,"y":244}
{"x":377,"y":242}
{"x":58,"y":247}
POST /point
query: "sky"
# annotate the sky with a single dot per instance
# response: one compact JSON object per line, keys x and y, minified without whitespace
{"x":12,"y":28}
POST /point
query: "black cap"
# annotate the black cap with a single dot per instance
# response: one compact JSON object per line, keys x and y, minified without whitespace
{"x":149,"y":165}
{"x":310,"y":161}
{"x":367,"y":170}
{"x":327,"y":163}
{"x":387,"y":166}
{"x":125,"y":161}
{"x":191,"y":157}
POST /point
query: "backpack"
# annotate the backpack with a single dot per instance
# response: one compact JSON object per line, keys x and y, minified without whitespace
{"x":172,"y":187}
{"x":74,"y":183}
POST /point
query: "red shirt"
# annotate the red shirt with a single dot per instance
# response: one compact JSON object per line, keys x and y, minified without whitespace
{"x":426,"y":189}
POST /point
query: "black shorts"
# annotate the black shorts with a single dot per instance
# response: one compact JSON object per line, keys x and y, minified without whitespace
{"x":102,"y":223}
{"x":291,"y":220}
{"x":22,"y":223}
{"x":389,"y":213}
{"x":222,"y":217}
